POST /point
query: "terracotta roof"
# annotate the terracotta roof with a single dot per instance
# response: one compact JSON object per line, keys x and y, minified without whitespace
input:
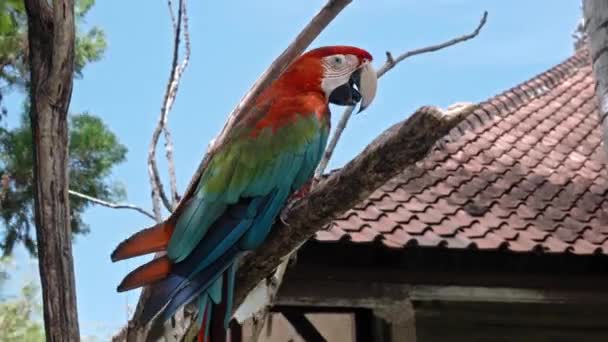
{"x":523,"y":173}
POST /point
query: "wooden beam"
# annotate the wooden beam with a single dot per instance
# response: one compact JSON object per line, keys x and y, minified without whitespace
{"x":236,"y":331}
{"x":314,"y":309}
{"x":502,"y":295}
{"x":403,"y":331}
{"x":375,"y":261}
{"x":302,"y":325}
{"x":364,"y":325}
{"x":377,"y":294}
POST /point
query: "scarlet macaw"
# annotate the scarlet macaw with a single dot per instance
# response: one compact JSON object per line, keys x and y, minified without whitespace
{"x":272,"y":152}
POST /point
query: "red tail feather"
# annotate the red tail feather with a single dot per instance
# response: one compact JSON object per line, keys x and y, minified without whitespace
{"x":145,"y":274}
{"x":153,"y":239}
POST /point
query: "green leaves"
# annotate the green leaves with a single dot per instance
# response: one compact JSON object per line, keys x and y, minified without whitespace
{"x":94,"y":151}
{"x":18,"y":315}
{"x":89,"y":48}
{"x":82,"y":7}
{"x":90,"y":44}
{"x":16,"y":5}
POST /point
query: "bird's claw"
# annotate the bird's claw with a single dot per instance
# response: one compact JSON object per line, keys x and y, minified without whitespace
{"x":284,"y":214}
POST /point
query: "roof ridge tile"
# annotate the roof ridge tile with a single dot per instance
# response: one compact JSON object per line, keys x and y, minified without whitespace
{"x":545,"y":81}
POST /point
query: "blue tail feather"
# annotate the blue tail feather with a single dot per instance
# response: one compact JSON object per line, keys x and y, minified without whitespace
{"x":230,"y":276}
{"x":208,"y":272}
{"x":187,"y":290}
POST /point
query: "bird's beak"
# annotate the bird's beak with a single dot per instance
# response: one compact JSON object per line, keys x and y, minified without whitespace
{"x":361,"y":87}
{"x":366,"y":81}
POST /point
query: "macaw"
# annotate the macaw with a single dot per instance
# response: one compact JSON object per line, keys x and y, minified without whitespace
{"x":271,"y":153}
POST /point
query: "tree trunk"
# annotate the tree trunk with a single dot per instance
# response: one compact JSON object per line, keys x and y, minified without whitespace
{"x":596,"y":22}
{"x":51,"y":46}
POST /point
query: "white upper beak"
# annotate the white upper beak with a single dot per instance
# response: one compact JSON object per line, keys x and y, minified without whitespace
{"x":367,"y":86}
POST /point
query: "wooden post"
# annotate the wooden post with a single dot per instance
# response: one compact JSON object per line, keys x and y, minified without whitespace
{"x":302,"y":325}
{"x":51,"y":46}
{"x":400,"y":319}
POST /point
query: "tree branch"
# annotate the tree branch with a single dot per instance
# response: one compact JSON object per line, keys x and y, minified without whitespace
{"x":112,"y":205}
{"x":172,"y":15}
{"x":397,"y":148}
{"x":169,"y":105}
{"x":390,"y":63}
{"x":158,"y":192}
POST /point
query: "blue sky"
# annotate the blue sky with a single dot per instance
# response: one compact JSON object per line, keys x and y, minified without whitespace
{"x":232,"y":43}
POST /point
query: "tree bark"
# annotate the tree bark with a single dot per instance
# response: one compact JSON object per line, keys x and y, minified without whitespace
{"x":596,"y":23}
{"x":51,"y":46}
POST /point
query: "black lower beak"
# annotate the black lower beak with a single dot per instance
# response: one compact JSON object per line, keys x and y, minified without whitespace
{"x":348,"y":93}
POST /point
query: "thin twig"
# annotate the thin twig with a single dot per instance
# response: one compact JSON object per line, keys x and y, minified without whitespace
{"x":158,"y":192}
{"x":331,"y":146}
{"x":172,"y":15}
{"x":112,"y":205}
{"x":169,"y":105}
{"x":304,"y":38}
{"x":390,"y":63}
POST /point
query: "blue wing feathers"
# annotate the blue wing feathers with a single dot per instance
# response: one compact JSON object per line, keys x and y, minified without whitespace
{"x":225,"y":225}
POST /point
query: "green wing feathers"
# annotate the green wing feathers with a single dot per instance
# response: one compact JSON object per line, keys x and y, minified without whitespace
{"x":250,"y":166}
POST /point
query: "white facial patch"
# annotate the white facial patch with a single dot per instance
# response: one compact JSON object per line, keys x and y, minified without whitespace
{"x":337,"y":71}
{"x":330,"y":84}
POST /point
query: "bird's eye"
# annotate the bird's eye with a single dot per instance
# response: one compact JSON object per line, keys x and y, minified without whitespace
{"x":338,"y":60}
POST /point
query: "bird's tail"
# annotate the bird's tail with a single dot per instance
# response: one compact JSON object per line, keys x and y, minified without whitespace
{"x":214,"y":314}
{"x":172,"y":285}
{"x":153,"y":239}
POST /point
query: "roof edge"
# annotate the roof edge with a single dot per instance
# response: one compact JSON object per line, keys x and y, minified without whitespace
{"x":511,"y":99}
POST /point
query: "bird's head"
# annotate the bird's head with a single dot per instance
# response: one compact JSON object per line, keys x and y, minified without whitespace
{"x":343,"y":74}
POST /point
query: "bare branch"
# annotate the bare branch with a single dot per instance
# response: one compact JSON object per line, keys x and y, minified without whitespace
{"x":158,"y":192}
{"x":333,"y":142}
{"x":390,"y":63}
{"x":172,"y":15}
{"x":112,"y":205}
{"x":171,"y":100}
{"x":135,"y":331}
